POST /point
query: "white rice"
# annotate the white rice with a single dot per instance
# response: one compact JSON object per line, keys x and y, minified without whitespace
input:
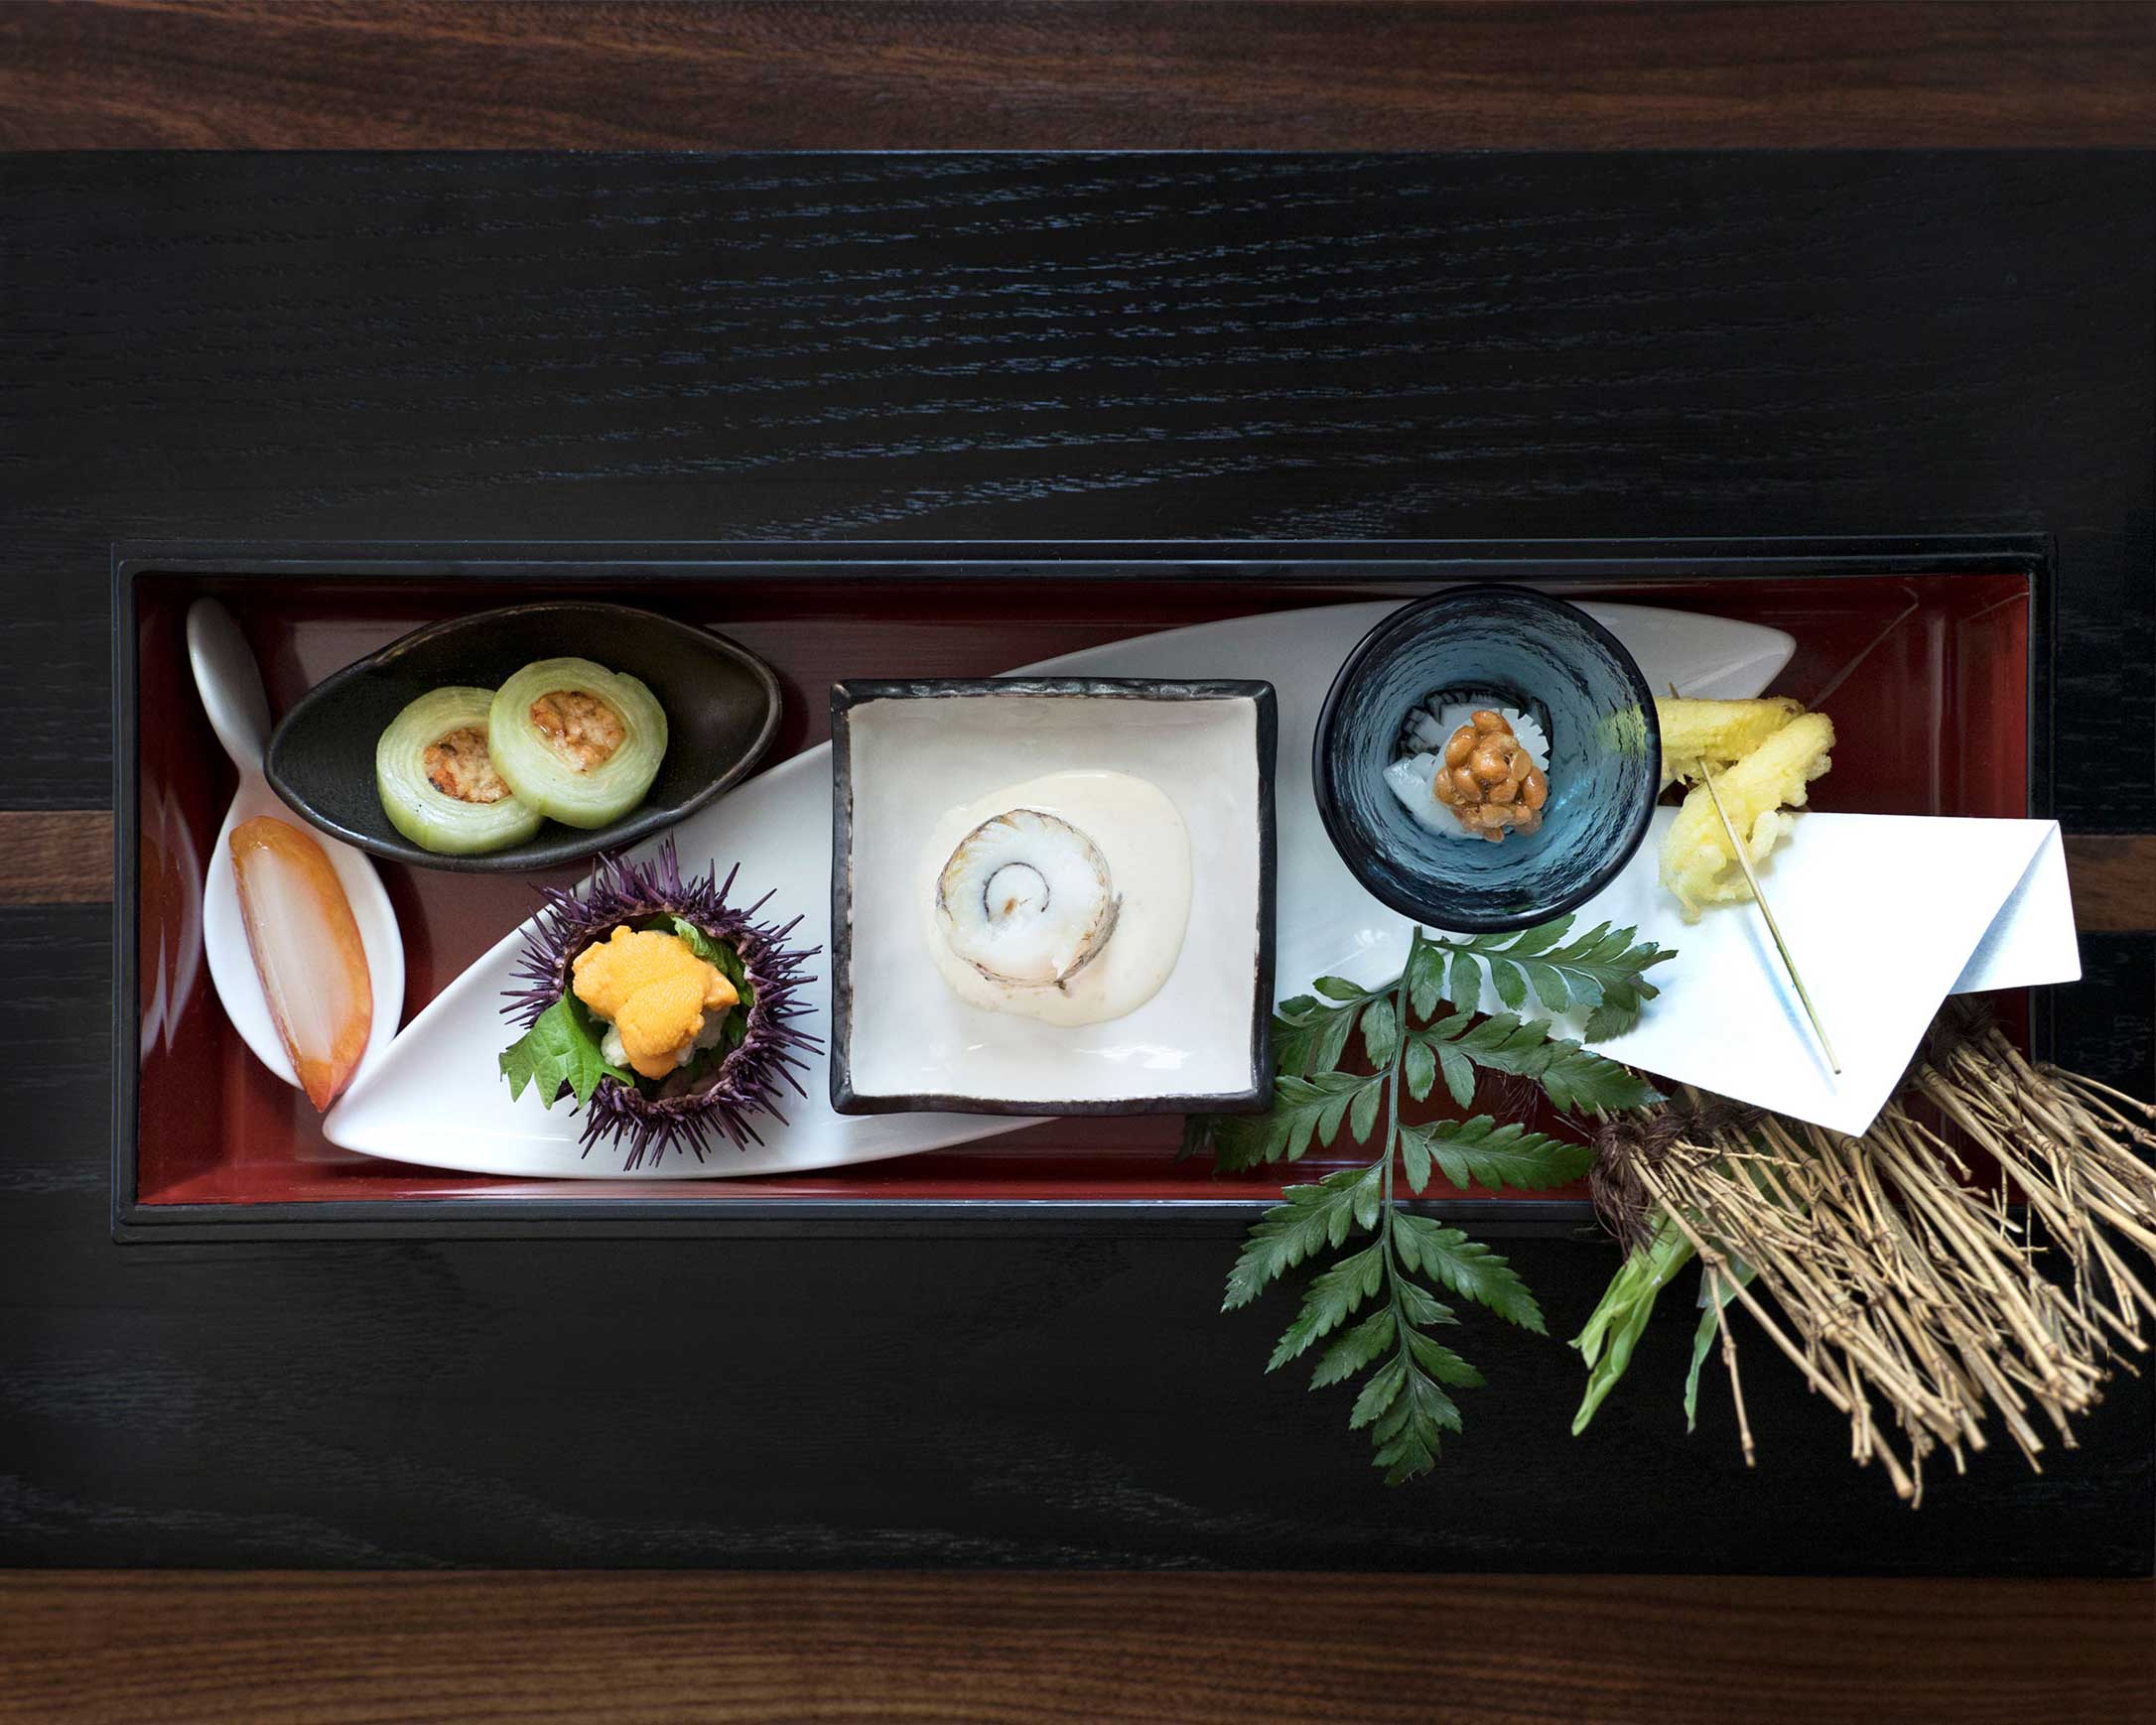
{"x":1413,"y":775}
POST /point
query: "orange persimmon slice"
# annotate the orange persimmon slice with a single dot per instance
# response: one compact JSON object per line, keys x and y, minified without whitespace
{"x":307,"y":952}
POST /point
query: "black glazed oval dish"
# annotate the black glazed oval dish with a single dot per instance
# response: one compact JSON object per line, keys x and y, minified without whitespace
{"x":722,"y":706}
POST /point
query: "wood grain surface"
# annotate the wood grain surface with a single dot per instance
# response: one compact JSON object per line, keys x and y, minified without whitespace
{"x":56,"y":857}
{"x":960,"y":348}
{"x":1310,"y":74}
{"x":1250,"y":1650}
{"x":418,"y":346}
{"x":2115,"y":880}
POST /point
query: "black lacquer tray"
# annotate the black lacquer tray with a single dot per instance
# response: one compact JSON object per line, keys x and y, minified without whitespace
{"x":1943,"y":642}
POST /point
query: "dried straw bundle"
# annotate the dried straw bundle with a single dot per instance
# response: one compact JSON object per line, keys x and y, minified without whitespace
{"x":1916,"y":1304}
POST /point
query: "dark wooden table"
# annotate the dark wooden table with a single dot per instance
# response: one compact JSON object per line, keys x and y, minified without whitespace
{"x":623,"y":347}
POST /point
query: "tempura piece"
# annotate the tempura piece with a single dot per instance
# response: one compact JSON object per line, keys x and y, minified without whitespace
{"x":1725,"y":731}
{"x":1699,"y":866}
{"x":307,"y":952}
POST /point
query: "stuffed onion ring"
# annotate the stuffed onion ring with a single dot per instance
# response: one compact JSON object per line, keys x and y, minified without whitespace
{"x":435,"y":773}
{"x":576,"y":740}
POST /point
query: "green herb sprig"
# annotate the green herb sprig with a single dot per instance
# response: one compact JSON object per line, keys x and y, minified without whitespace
{"x":1405,"y":1402}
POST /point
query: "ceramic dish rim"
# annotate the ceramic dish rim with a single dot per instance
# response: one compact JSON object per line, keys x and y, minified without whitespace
{"x":639,"y":822}
{"x":1335,"y":820}
{"x":851,"y":692}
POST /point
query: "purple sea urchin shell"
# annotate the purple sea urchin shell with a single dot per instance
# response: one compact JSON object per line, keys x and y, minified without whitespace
{"x":724,"y":1100}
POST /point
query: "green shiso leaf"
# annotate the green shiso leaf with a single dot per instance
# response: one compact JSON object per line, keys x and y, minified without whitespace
{"x":561,"y":1049}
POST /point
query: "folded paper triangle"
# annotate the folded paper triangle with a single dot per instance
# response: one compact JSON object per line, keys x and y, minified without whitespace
{"x":1886,"y":914}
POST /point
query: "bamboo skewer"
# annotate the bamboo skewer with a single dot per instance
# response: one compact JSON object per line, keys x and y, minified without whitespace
{"x":1759,"y":897}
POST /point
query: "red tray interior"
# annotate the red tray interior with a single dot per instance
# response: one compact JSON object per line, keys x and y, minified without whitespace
{"x":1925,"y":677}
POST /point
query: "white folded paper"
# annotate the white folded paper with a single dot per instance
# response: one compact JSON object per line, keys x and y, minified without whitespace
{"x":1886,"y":914}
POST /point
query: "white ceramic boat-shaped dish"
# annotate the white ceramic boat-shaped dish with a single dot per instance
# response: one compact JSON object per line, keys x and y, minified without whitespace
{"x":435,"y":1096}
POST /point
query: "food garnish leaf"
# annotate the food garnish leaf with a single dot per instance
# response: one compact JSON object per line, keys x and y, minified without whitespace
{"x":1360,"y":1347}
{"x":1425,"y":974}
{"x":1306,"y":1218}
{"x":1302,"y":1108}
{"x":1571,"y":1076}
{"x":1481,"y":1152}
{"x":1381,"y":1032}
{"x":1468,"y":1268}
{"x":561,"y":1048}
{"x":1404,"y":1402}
{"x":1419,"y":1070}
{"x":1377,"y":1395}
{"x":1332,"y":1296}
{"x":1620,"y":1318}
{"x":1604,"y":970}
{"x":1720,"y":1290}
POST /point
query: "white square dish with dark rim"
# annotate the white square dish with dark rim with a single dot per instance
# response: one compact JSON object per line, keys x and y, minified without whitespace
{"x":906,"y":755}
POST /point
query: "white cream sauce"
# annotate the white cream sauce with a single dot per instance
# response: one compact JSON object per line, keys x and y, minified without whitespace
{"x":1142,"y":835}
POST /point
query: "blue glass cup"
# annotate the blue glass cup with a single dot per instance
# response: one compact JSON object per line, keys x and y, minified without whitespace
{"x":1501,"y":646}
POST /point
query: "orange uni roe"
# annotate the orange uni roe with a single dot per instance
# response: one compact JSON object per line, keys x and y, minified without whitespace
{"x":653,"y":990}
{"x":307,"y":952}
